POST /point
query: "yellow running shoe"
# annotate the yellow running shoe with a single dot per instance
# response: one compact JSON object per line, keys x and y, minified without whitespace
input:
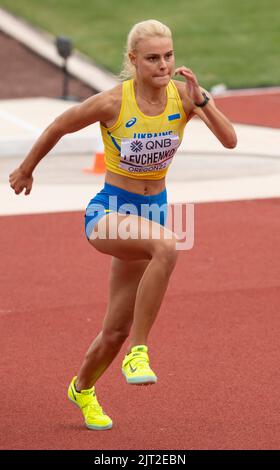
{"x":87,"y":402}
{"x":135,"y":367}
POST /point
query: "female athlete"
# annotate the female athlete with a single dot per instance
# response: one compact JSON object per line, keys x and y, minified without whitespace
{"x":142,"y":122}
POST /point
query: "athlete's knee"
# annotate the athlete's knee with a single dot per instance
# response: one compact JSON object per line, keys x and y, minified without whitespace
{"x":166,"y":252}
{"x":115,"y":336}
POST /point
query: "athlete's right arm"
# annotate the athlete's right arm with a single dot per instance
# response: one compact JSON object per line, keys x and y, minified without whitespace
{"x":99,"y":107}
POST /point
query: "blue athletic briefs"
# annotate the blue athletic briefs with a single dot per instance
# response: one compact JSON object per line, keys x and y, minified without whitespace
{"x":114,"y":199}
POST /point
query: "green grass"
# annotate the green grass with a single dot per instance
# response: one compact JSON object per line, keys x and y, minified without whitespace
{"x":235,"y":42}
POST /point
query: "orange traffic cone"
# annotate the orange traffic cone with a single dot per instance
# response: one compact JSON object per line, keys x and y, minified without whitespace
{"x":98,"y":163}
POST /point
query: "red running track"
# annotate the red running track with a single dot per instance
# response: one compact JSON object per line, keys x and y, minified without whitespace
{"x":259,"y":109}
{"x":215,"y":344}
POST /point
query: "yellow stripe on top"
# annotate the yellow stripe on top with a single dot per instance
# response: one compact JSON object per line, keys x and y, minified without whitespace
{"x":141,"y":146}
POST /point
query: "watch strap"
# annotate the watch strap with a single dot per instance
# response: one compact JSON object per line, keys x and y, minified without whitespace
{"x":206,"y":99}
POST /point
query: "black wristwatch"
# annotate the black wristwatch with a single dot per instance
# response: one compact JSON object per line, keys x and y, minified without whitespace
{"x":206,"y":99}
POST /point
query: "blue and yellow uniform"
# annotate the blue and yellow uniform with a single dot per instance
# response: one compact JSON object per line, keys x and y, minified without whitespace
{"x":142,"y":147}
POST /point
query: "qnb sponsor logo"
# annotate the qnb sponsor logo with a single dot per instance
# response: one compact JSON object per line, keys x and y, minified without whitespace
{"x":136,"y":146}
{"x":179,"y":222}
{"x":131,"y":122}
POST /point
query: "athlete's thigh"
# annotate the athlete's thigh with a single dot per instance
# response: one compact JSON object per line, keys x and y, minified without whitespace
{"x":123,"y":284}
{"x":129,"y":237}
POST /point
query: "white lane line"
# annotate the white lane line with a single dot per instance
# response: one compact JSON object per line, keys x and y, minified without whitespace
{"x":64,"y":198}
{"x":20,"y":122}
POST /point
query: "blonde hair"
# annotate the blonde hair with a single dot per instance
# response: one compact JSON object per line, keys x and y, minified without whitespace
{"x":144,"y":29}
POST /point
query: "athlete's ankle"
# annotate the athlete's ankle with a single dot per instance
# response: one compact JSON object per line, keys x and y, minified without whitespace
{"x":134,"y":344}
{"x":79,"y":386}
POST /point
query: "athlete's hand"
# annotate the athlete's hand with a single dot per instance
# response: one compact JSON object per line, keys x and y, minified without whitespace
{"x":20,"y":180}
{"x":192,"y":85}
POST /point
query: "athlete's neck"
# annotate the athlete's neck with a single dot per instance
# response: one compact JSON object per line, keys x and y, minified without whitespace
{"x":153,"y":95}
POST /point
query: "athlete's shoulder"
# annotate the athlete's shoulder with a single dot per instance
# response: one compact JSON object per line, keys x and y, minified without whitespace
{"x":108,"y":102}
{"x":113,"y":97}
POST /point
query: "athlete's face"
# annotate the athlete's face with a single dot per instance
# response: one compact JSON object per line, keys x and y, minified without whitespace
{"x":154,"y":60}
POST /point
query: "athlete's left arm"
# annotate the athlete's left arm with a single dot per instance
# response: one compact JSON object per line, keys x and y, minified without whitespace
{"x":216,"y":121}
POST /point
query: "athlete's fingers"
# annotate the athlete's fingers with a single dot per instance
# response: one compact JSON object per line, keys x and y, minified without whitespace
{"x":14,"y":186}
{"x":188,"y":75}
{"x":18,"y":190}
{"x":19,"y":187}
{"x":182,"y":68}
{"x":28,"y":190}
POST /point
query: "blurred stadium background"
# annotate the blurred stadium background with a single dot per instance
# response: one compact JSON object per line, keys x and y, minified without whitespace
{"x":235,"y":43}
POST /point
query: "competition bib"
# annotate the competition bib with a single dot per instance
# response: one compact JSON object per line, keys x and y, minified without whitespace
{"x":148,"y":154}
